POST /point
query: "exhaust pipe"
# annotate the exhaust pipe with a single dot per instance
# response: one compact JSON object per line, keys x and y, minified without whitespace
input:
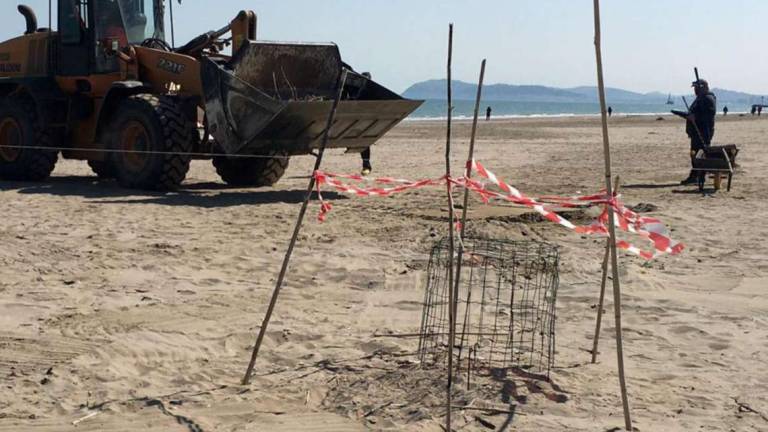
{"x":29,"y":15}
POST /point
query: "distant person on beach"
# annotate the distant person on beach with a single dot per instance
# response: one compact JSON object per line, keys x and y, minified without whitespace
{"x":700,"y":126}
{"x":610,"y":111}
{"x":759,"y":110}
{"x":488,"y":112}
{"x":754,"y":110}
{"x":365,"y":155}
{"x":725,"y":110}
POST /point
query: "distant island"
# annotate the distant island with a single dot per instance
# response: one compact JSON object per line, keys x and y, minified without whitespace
{"x":436,"y":89}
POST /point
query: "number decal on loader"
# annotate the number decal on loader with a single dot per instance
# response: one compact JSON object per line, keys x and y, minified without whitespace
{"x":170,"y":66}
{"x":10,"y":67}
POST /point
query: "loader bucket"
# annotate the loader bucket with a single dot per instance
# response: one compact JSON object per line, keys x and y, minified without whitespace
{"x":275,"y":96}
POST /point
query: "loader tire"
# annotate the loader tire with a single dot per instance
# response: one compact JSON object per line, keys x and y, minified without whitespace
{"x":102,"y":169}
{"x":253,"y":172}
{"x":145,"y":124}
{"x":20,"y":127}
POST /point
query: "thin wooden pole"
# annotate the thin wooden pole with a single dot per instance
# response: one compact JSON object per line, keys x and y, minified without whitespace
{"x":173,"y":29}
{"x":464,"y":210}
{"x":611,"y":222}
{"x":310,"y":189}
{"x":471,"y":156}
{"x":50,"y":22}
{"x":451,"y":299}
{"x":601,"y":302}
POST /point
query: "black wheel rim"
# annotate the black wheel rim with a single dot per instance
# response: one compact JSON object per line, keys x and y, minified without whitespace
{"x":134,"y":141}
{"x":10,"y":139}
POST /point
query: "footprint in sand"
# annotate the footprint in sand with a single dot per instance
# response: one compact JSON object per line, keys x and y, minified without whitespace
{"x":719,"y":346}
{"x":407,"y":305}
{"x":685,"y":329}
{"x":307,"y":295}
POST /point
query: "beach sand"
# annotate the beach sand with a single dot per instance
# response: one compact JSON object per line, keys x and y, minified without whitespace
{"x":140,"y":309}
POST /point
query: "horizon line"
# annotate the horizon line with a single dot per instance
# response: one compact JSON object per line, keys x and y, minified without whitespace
{"x":581,"y":86}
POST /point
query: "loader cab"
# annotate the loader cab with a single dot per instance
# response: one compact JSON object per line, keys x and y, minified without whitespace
{"x":91,"y":31}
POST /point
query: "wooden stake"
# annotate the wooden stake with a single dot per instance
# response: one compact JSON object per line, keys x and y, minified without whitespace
{"x":471,"y":156}
{"x":611,"y":222}
{"x":464,"y":210}
{"x":173,"y":27}
{"x":469,"y":369}
{"x":451,"y":299}
{"x":601,"y":302}
{"x":297,"y":229}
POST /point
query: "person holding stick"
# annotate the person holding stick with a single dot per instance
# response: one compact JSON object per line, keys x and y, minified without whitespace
{"x":700,"y":125}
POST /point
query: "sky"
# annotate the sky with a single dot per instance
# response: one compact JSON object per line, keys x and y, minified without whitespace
{"x":648,"y":45}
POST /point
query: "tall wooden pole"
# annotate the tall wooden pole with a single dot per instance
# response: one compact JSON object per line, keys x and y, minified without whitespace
{"x":173,"y":28}
{"x":601,"y":302}
{"x":471,"y":155}
{"x":451,"y":299}
{"x":310,"y":189}
{"x":611,"y":222}
{"x":464,"y":210}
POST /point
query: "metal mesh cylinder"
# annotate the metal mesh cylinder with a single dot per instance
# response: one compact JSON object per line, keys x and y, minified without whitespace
{"x":506,"y":306}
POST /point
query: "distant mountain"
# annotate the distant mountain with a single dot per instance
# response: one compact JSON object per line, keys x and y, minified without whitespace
{"x":618,"y":95}
{"x":436,"y":89}
{"x":735,"y":96}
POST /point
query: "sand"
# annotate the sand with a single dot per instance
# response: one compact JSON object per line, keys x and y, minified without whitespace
{"x":140,"y":309}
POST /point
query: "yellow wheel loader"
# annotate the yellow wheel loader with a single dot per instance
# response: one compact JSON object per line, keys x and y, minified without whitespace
{"x":106,"y":87}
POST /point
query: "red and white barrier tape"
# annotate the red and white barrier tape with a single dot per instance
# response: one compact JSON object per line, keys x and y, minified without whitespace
{"x":625,"y":219}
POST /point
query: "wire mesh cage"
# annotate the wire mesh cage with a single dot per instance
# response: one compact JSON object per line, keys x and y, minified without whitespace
{"x":505,"y":305}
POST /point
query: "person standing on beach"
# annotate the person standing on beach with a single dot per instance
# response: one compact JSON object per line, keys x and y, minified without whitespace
{"x":365,"y":155}
{"x":488,"y":113}
{"x":759,"y":110}
{"x":700,"y":126}
{"x":610,"y":111}
{"x":725,"y":110}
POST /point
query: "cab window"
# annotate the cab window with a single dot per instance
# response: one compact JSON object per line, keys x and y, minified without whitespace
{"x":73,"y":21}
{"x":143,"y":19}
{"x":110,"y":35}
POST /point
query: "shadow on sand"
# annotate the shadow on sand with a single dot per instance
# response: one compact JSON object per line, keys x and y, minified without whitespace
{"x":512,"y":378}
{"x":696,"y":191}
{"x":693,"y":191}
{"x":650,"y":186}
{"x":203,"y":194}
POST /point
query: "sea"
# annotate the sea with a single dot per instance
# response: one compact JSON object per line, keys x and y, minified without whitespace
{"x":464,"y":109}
